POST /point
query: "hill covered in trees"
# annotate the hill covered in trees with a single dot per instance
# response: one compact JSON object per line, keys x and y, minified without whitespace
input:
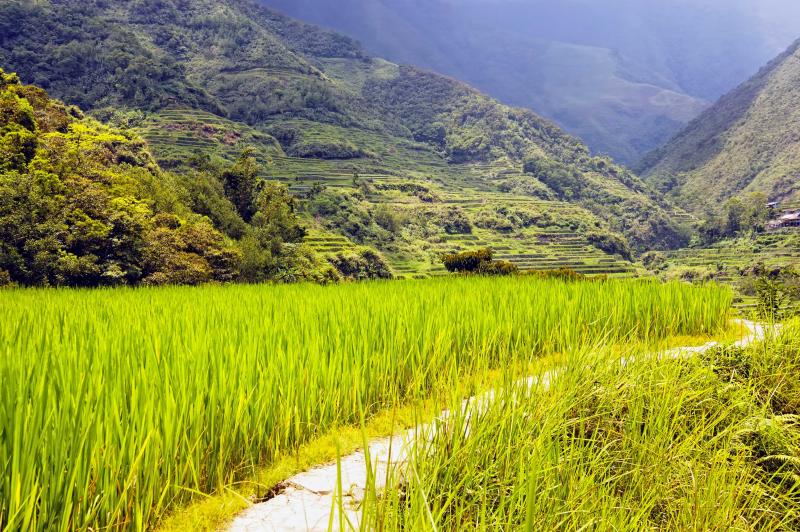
{"x":381,"y":156}
{"x":84,"y":204}
{"x":623,"y":75}
{"x":748,"y":142}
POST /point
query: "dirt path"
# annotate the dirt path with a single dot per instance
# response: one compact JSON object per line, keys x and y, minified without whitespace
{"x":308,"y":501}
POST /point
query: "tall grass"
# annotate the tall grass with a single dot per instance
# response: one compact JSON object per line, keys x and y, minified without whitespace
{"x":117,"y":404}
{"x":711,"y":443}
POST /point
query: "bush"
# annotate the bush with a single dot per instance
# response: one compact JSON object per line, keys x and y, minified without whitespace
{"x":611,"y":243}
{"x":498,"y":267}
{"x":562,"y":274}
{"x":771,"y":298}
{"x":362,"y":264}
{"x":467,"y":261}
{"x":478,"y":262}
{"x":654,"y":261}
{"x":387,"y":219}
{"x":455,"y":222}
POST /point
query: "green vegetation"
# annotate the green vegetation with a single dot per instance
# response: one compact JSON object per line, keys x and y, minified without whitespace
{"x":478,"y":262}
{"x":256,"y":371}
{"x":746,"y":142}
{"x":84,"y":204}
{"x":742,"y":263}
{"x":706,"y":443}
{"x":388,"y":157}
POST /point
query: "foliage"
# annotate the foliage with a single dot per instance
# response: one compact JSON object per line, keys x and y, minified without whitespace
{"x":349,"y":214}
{"x":240,"y":182}
{"x":82,"y":204}
{"x":455,"y":222}
{"x":498,"y":267}
{"x":467,"y":261}
{"x":85,"y":205}
{"x":562,"y":274}
{"x":479,"y":262}
{"x":196,"y":76}
{"x":611,"y":243}
{"x":771,"y":298}
{"x":706,"y":442}
{"x":361,"y":264}
{"x":739,"y":217}
{"x":654,"y":260}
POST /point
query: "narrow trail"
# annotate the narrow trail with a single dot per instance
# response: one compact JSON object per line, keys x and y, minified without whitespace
{"x":308,"y":502}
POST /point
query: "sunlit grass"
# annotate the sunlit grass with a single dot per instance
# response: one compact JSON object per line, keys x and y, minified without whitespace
{"x":709,"y":443}
{"x":118,"y":405}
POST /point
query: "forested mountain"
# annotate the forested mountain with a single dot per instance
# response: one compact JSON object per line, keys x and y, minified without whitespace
{"x":623,"y":75}
{"x":389,"y":157}
{"x":84,"y":204}
{"x":749,"y":141}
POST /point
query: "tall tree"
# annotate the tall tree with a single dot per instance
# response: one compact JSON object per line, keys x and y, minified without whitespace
{"x":241,"y":182}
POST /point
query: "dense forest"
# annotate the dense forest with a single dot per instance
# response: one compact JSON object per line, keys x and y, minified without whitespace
{"x":84,"y":204}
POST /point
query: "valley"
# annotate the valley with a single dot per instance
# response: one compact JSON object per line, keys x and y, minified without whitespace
{"x":257,"y":276}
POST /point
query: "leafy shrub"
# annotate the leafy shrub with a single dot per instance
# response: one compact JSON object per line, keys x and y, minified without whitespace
{"x":362,"y":264}
{"x":455,"y":222}
{"x":348,"y":213}
{"x":467,"y":261}
{"x":327,"y":150}
{"x":562,"y":274}
{"x":387,"y":219}
{"x":498,"y":267}
{"x":478,"y":262}
{"x":611,"y":243}
{"x":771,"y":298}
{"x":566,"y":181}
{"x":493,"y":221}
{"x":654,"y":260}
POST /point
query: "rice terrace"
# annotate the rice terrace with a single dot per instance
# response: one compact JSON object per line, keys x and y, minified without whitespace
{"x":380,"y":265}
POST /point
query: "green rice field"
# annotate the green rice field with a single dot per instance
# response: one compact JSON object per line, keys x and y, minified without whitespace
{"x":118,"y":406}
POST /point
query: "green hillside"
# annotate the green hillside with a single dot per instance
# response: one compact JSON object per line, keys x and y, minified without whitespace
{"x":380,"y":155}
{"x":623,"y":75}
{"x":82,"y":204}
{"x":748,"y":142}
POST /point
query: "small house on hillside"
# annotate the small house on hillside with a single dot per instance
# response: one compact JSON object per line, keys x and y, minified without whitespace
{"x":788,"y":219}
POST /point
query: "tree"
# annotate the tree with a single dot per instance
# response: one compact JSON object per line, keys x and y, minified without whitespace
{"x":241,"y":181}
{"x":274,"y":225}
{"x":736,"y":215}
{"x":276,"y":214}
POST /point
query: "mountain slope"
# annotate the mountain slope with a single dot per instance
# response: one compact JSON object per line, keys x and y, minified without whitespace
{"x":82,"y":204}
{"x":749,"y":141}
{"x":393,"y":157}
{"x":623,"y":75}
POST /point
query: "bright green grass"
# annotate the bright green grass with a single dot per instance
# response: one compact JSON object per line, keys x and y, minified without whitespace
{"x":710,"y":443}
{"x":118,"y":405}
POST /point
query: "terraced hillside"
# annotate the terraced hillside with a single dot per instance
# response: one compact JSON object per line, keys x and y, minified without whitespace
{"x":381,"y":154}
{"x":736,"y":261}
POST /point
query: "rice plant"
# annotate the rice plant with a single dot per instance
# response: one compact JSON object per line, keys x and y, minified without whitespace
{"x":118,"y":405}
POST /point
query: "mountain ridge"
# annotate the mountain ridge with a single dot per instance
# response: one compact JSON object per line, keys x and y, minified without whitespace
{"x":624,"y":76}
{"x":749,"y":141}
